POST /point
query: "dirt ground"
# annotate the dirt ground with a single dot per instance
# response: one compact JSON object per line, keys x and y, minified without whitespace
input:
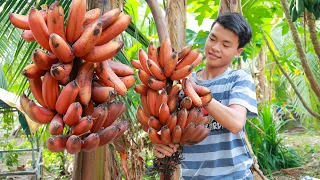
{"x":308,"y":147}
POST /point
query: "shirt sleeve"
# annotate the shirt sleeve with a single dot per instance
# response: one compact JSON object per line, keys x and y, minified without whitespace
{"x":243,"y":93}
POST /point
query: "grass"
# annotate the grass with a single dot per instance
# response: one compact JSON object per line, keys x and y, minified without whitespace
{"x":307,"y":145}
{"x":269,"y":147}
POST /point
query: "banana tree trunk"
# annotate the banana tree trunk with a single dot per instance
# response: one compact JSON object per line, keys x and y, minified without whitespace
{"x":230,"y":6}
{"x":263,"y":93}
{"x":270,"y":83}
{"x":176,"y":20}
{"x":100,"y":163}
{"x":104,"y":5}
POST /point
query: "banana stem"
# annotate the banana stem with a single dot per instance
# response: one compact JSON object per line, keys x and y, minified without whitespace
{"x":83,"y":134}
{"x":169,"y":85}
{"x":164,"y":176}
{"x":159,"y":19}
{"x":75,"y":68}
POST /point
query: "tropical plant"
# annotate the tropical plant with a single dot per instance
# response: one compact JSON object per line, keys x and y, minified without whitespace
{"x":302,"y":57}
{"x":10,"y":159}
{"x":288,"y":59}
{"x":7,"y":125}
{"x":272,"y":154}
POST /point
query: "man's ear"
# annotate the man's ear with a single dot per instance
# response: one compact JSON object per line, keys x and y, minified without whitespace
{"x":239,"y":51}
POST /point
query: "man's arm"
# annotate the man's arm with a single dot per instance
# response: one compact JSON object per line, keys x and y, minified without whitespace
{"x":233,"y":117}
{"x":242,"y":98}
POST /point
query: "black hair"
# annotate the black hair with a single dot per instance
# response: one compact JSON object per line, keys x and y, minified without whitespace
{"x":237,"y":24}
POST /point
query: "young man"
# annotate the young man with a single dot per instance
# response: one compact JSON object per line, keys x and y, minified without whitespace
{"x":223,"y":154}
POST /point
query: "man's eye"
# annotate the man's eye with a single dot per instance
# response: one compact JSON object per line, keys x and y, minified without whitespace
{"x":225,"y":46}
{"x":212,"y":39}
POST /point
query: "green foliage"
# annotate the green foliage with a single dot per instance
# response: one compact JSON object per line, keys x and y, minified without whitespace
{"x":3,"y":81}
{"x":280,"y":90}
{"x":7,"y":121}
{"x":288,"y":57}
{"x":260,"y":13}
{"x":139,"y":16}
{"x":271,"y":153}
{"x":53,"y":162}
{"x":297,"y":7}
{"x":204,"y":9}
{"x":11,"y":158}
{"x":197,"y":39}
{"x":150,"y":174}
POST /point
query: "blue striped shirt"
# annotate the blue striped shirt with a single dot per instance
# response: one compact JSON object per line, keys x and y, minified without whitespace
{"x":223,"y":155}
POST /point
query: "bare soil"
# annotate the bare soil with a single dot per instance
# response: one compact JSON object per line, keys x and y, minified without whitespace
{"x":307,"y":145}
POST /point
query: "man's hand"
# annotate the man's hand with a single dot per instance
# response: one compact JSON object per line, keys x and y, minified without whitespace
{"x":162,"y":150}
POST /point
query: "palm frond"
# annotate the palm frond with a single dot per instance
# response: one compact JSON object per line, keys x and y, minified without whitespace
{"x":304,"y":90}
{"x":16,"y":53}
{"x":248,"y":4}
{"x":1,"y":2}
{"x":16,"y":7}
{"x":132,"y":29}
{"x":314,"y":64}
{"x":3,"y":81}
{"x":288,"y":55}
{"x":134,"y":32}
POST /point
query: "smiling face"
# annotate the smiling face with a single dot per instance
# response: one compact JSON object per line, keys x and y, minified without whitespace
{"x":221,"y":47}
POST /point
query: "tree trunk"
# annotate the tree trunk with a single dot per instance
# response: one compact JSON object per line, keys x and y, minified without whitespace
{"x":100,"y":163}
{"x":313,"y":33}
{"x":77,"y":165}
{"x":270,"y":83}
{"x":230,"y":6}
{"x":88,"y":161}
{"x":176,"y":20}
{"x":263,"y":94}
{"x":176,"y":23}
{"x":104,"y":5}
